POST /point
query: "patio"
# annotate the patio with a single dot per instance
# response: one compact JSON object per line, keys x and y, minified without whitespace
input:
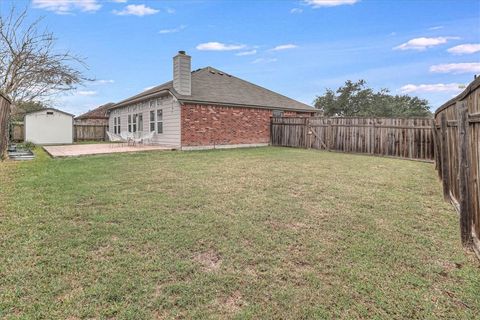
{"x":100,"y":148}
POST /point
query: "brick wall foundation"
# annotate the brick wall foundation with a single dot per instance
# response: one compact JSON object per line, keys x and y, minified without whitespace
{"x":207,"y":125}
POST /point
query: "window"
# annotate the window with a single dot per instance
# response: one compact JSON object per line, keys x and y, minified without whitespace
{"x":140,"y":121}
{"x":152,"y":104}
{"x":134,"y":123}
{"x":152,"y":120}
{"x":277,"y":113}
{"x":159,"y":121}
{"x":129,"y":123}
{"x":116,"y":125}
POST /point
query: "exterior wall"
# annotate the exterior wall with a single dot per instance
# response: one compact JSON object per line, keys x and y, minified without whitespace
{"x":171,"y":119}
{"x":42,"y":128}
{"x":96,"y":122}
{"x":209,"y":125}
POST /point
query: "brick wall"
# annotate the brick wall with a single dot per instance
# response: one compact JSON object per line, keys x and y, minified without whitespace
{"x":206,"y":125}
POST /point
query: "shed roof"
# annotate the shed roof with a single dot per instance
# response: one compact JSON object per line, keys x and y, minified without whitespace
{"x":45,"y":109}
{"x":210,"y":85}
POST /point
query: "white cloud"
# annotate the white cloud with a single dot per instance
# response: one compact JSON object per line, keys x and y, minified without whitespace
{"x":435,"y":28}
{"x":86,"y":93}
{"x":171,"y":10}
{"x":264,"y":60}
{"x":247,"y":53}
{"x":467,"y":48}
{"x":119,"y":1}
{"x":284,"y":47}
{"x":102,"y":82}
{"x":423,"y":43}
{"x":218,"y":46}
{"x":329,"y":3}
{"x":136,"y":10}
{"x":437,"y":87}
{"x":173,"y":30}
{"x":296,"y":10}
{"x":67,"y":6}
{"x":467,"y":67}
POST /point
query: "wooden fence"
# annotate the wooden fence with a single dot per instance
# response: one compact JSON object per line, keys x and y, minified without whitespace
{"x":397,"y":137}
{"x":4,"y":120}
{"x":457,"y":144}
{"x":81,"y":132}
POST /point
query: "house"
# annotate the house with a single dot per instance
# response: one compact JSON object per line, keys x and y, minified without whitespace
{"x":97,"y":116}
{"x":206,"y":108}
{"x":49,"y":126}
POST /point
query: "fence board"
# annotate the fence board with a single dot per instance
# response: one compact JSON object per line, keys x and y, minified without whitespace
{"x":89,"y":132}
{"x":396,"y":137}
{"x":4,"y":120}
{"x":461,"y":158}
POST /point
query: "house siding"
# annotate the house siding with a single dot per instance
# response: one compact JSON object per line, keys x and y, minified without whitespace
{"x":171,"y":119}
{"x":212,"y":125}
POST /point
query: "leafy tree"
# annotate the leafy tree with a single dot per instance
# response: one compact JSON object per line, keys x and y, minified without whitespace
{"x":355,"y":99}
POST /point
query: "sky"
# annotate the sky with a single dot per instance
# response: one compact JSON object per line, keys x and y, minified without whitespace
{"x":299,"y":48}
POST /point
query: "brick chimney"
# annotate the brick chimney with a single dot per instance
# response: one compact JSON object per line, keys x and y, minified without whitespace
{"x":182,"y":76}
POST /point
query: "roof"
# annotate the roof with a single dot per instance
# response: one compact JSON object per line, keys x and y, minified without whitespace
{"x":212,"y":86}
{"x":469,"y":89}
{"x":97,"y":113}
{"x":45,"y":109}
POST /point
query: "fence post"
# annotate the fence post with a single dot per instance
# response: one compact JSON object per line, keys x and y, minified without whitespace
{"x":307,"y":133}
{"x":4,"y":119}
{"x":444,"y":157}
{"x":436,"y":149}
{"x":463,"y":174}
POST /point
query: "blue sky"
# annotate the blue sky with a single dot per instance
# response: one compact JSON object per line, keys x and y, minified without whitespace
{"x":297,"y":48}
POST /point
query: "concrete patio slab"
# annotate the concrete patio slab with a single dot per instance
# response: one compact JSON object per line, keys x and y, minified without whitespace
{"x":76,"y":150}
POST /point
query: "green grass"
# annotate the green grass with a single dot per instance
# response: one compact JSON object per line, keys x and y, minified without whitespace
{"x":246,"y":234}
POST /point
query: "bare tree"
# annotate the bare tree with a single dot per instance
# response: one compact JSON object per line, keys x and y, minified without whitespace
{"x":30,"y":67}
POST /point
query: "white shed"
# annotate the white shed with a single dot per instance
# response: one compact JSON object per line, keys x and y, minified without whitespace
{"x":49,"y":126}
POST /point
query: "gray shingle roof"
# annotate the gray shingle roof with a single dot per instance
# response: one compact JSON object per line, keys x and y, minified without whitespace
{"x":210,"y":85}
{"x":97,"y":113}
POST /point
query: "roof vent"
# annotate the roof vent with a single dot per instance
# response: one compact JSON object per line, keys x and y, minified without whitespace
{"x":181,"y":52}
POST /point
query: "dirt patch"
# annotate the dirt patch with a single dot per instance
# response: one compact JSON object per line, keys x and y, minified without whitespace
{"x":210,"y":260}
{"x":231,"y":304}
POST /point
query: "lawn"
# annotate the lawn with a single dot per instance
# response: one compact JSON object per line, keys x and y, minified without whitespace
{"x":247,"y":234}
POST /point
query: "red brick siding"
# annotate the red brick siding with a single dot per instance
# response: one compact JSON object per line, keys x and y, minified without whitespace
{"x":204,"y":125}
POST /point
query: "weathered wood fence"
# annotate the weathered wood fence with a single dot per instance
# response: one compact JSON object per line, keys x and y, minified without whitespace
{"x":397,"y":137}
{"x":457,"y":145}
{"x":4,"y":120}
{"x":81,"y":132}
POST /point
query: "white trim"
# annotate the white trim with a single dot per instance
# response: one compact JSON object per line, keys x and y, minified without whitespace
{"x":224,"y":146}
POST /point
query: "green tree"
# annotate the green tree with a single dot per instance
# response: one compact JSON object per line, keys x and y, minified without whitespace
{"x":356,"y":99}
{"x":21,"y":108}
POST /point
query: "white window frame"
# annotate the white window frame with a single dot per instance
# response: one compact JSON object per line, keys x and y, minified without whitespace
{"x":152,"y":120}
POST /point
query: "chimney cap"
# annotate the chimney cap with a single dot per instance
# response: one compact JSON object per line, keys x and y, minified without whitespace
{"x":181,"y":52}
